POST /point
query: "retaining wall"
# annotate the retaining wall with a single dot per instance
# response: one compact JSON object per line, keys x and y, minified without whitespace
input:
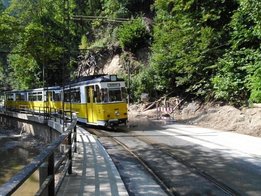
{"x":35,"y":126}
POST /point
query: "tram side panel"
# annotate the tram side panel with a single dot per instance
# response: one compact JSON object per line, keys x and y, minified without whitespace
{"x":94,"y":102}
{"x":25,"y":101}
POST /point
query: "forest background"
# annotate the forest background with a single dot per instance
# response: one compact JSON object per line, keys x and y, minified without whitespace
{"x":209,"y":50}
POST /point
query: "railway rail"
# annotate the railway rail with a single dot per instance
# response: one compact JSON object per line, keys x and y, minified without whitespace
{"x":173,"y":174}
{"x":167,"y":150}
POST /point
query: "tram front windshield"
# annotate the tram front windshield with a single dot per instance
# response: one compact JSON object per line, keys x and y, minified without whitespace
{"x":113,"y":94}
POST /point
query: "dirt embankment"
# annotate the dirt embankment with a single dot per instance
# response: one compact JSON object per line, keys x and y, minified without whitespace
{"x":227,"y":118}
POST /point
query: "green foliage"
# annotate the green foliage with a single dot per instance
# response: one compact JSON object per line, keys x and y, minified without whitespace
{"x":25,"y":70}
{"x":238,"y":74}
{"x":189,"y":36}
{"x":229,"y":82}
{"x":208,"y":49}
{"x":93,"y":7}
{"x":9,"y":30}
{"x":84,"y":42}
{"x":238,"y":77}
{"x":143,"y":83}
{"x":133,"y":35}
{"x":37,"y":33}
{"x":246,"y":25}
{"x":253,"y":78}
{"x":255,"y":87}
{"x":1,"y":7}
{"x":115,"y":8}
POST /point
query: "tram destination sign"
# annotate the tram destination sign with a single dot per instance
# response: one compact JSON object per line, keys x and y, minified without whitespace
{"x":113,"y":85}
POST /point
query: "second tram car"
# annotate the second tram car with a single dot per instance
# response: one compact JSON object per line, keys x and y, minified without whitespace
{"x":98,"y":100}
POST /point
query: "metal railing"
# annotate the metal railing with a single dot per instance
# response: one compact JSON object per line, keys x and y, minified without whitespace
{"x":48,"y":165}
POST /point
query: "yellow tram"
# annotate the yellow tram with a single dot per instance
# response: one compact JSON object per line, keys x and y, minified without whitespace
{"x":99,"y":100}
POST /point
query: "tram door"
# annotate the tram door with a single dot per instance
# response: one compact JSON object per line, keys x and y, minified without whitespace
{"x":90,"y":104}
{"x":47,"y":101}
{"x":49,"y":98}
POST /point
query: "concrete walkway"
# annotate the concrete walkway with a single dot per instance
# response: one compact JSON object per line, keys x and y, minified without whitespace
{"x":93,"y":170}
{"x":234,"y":144}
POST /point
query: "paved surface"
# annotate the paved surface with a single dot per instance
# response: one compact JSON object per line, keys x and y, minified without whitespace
{"x":137,"y":179}
{"x":234,"y":144}
{"x":93,"y":171}
{"x":234,"y":159}
{"x":231,"y":158}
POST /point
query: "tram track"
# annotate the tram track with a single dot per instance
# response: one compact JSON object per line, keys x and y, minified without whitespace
{"x":166,"y":149}
{"x":155,"y":172}
{"x":168,"y":190}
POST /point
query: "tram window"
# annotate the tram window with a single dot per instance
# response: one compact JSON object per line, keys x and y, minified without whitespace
{"x":56,"y":96}
{"x":39,"y":96}
{"x":104,"y":95}
{"x":67,"y":96}
{"x":20,"y":97}
{"x":115,"y":95}
{"x":35,"y":96}
{"x":9,"y":97}
{"x":31,"y":97}
{"x":75,"y":95}
{"x":124,"y":94}
{"x":86,"y":92}
{"x":97,"y":94}
{"x":72,"y":95}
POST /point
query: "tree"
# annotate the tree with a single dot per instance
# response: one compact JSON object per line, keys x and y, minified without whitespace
{"x":240,"y":66}
{"x":42,"y":41}
{"x":133,"y":34}
{"x":25,"y":70}
{"x":9,"y":30}
{"x":115,"y":8}
{"x":189,"y":36}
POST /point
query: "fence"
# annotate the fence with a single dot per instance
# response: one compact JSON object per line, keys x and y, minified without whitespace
{"x":48,"y":165}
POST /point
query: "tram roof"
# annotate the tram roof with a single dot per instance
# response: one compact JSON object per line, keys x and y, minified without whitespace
{"x":34,"y":90}
{"x":80,"y":81}
{"x":95,"y":79}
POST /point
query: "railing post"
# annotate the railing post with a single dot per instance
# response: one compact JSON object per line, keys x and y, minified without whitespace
{"x":43,"y":170}
{"x":75,"y":138}
{"x":70,"y":152}
{"x":51,"y":187}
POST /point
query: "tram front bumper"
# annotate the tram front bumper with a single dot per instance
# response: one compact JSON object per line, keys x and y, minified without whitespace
{"x":112,"y":122}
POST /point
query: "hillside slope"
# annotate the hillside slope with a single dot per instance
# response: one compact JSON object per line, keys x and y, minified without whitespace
{"x":227,"y":118}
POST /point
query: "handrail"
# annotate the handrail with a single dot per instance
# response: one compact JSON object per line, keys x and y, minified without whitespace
{"x":46,"y":155}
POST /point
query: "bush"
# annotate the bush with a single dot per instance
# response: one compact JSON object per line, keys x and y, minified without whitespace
{"x":229,"y":82}
{"x":133,"y":35}
{"x":255,"y":86}
{"x":143,"y":83}
{"x":238,"y":77}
